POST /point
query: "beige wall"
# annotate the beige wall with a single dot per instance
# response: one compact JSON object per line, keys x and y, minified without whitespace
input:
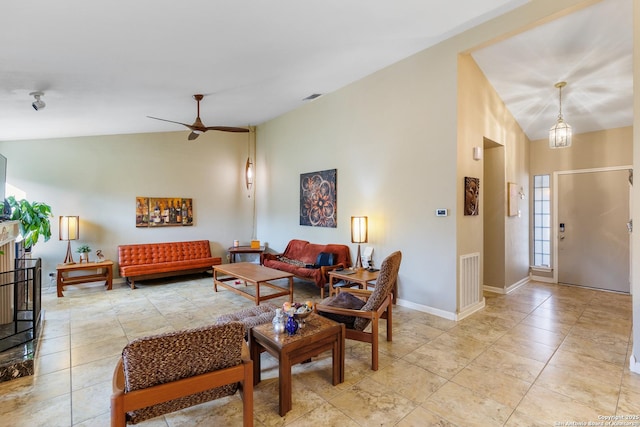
{"x":395,"y":162}
{"x":98,"y":179}
{"x":613,"y":147}
{"x":483,"y":116}
{"x":493,"y":216}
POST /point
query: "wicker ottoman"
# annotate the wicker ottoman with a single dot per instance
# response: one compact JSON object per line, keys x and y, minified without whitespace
{"x":250,"y":317}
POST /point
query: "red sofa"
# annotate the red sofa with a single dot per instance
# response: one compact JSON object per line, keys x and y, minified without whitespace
{"x":154,"y":260}
{"x":299,"y":258}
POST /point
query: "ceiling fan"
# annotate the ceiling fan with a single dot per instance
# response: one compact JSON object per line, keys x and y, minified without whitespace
{"x":198,"y":127}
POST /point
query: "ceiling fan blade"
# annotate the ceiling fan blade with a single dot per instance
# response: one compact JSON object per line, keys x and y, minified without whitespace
{"x":198,"y":127}
{"x":171,"y":121}
{"x":227,"y":129}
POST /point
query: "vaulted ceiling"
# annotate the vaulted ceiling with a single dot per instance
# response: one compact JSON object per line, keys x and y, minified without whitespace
{"x":590,"y":49}
{"x":105,"y":66}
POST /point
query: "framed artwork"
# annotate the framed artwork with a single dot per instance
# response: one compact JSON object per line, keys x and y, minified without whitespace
{"x":318,"y":198}
{"x":512,"y":199}
{"x":163,"y":212}
{"x":142,"y":211}
{"x":471,"y":195}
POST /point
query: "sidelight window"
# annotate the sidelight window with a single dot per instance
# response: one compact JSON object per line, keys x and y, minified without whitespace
{"x":541,"y":221}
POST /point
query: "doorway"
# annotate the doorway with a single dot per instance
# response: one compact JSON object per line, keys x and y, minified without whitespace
{"x":592,"y":244}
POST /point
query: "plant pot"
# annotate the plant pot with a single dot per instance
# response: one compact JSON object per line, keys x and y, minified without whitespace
{"x":84,"y":257}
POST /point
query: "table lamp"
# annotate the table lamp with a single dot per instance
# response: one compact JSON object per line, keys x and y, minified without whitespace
{"x":69,"y":230}
{"x":359,"y":235}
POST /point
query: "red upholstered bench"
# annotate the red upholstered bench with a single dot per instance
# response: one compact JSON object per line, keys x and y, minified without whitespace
{"x":154,"y":260}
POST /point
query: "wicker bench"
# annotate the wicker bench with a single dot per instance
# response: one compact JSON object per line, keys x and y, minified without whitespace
{"x":250,"y":317}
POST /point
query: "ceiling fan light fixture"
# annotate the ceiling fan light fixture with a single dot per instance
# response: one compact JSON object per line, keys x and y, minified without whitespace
{"x":560,"y":134}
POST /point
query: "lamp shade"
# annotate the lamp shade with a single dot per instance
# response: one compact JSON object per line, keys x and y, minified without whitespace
{"x":359,"y":229}
{"x":69,"y":227}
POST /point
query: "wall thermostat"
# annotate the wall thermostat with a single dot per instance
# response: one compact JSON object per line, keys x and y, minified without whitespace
{"x":442,"y":212}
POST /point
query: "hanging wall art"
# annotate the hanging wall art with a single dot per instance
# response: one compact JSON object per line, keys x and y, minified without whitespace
{"x":471,"y":195}
{"x":163,"y":211}
{"x":318,"y":198}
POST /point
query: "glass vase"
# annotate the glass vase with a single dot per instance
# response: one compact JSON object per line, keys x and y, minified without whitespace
{"x":291,"y":326}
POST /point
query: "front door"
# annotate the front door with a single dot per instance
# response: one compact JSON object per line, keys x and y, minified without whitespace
{"x":593,"y":239}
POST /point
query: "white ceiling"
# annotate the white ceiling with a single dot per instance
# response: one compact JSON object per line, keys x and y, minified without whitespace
{"x":105,"y":66}
{"x":590,"y":49}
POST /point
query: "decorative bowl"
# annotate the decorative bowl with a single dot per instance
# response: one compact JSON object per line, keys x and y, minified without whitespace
{"x":303,"y":315}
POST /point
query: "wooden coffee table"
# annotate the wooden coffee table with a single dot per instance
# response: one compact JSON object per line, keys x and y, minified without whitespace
{"x":319,"y":334}
{"x":255,"y":274}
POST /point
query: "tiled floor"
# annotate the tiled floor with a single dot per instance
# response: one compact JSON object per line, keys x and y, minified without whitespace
{"x":541,"y":356}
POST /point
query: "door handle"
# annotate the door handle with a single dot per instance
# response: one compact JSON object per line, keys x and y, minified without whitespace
{"x":630,"y":226}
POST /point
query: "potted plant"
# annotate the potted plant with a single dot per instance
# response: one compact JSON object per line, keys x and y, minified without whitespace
{"x":34,"y":220}
{"x":84,"y":250}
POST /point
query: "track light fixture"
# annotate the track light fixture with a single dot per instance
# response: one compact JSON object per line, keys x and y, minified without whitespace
{"x":38,"y":104}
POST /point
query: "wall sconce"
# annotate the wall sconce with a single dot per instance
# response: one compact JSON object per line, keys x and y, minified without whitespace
{"x":248,"y":173}
{"x":69,"y":230}
{"x":477,"y":153}
{"x":359,"y":234}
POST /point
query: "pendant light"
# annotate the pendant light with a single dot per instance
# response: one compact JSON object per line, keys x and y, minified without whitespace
{"x":560,"y":133}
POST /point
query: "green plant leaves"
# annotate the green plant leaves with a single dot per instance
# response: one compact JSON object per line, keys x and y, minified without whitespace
{"x":34,"y":220}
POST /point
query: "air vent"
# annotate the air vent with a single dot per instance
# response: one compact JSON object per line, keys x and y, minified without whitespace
{"x":312,"y":96}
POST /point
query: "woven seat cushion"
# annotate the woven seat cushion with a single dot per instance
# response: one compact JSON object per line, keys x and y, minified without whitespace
{"x":172,"y":356}
{"x":343,"y":300}
{"x":250,"y":317}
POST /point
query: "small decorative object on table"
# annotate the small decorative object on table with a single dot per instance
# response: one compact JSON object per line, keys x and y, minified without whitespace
{"x":291,"y":326}
{"x":99,"y":255}
{"x":84,"y":250}
{"x":298,"y":311}
{"x":278,"y":322}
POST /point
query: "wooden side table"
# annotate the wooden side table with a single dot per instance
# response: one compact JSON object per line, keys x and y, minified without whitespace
{"x":319,"y":334}
{"x":233,"y":251}
{"x":362,"y":278}
{"x":104,"y":271}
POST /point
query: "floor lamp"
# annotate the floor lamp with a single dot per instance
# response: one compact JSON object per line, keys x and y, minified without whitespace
{"x":359,"y":235}
{"x":69,"y":230}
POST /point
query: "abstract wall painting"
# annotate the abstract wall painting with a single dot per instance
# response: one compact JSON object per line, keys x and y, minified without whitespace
{"x":318,"y":198}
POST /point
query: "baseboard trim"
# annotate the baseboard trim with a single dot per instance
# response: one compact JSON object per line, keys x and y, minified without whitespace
{"x":634,"y":364}
{"x":509,"y":289}
{"x":518,"y":284}
{"x":542,"y":279}
{"x":494,"y":289}
{"x":426,"y":309}
{"x":470,"y":310}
